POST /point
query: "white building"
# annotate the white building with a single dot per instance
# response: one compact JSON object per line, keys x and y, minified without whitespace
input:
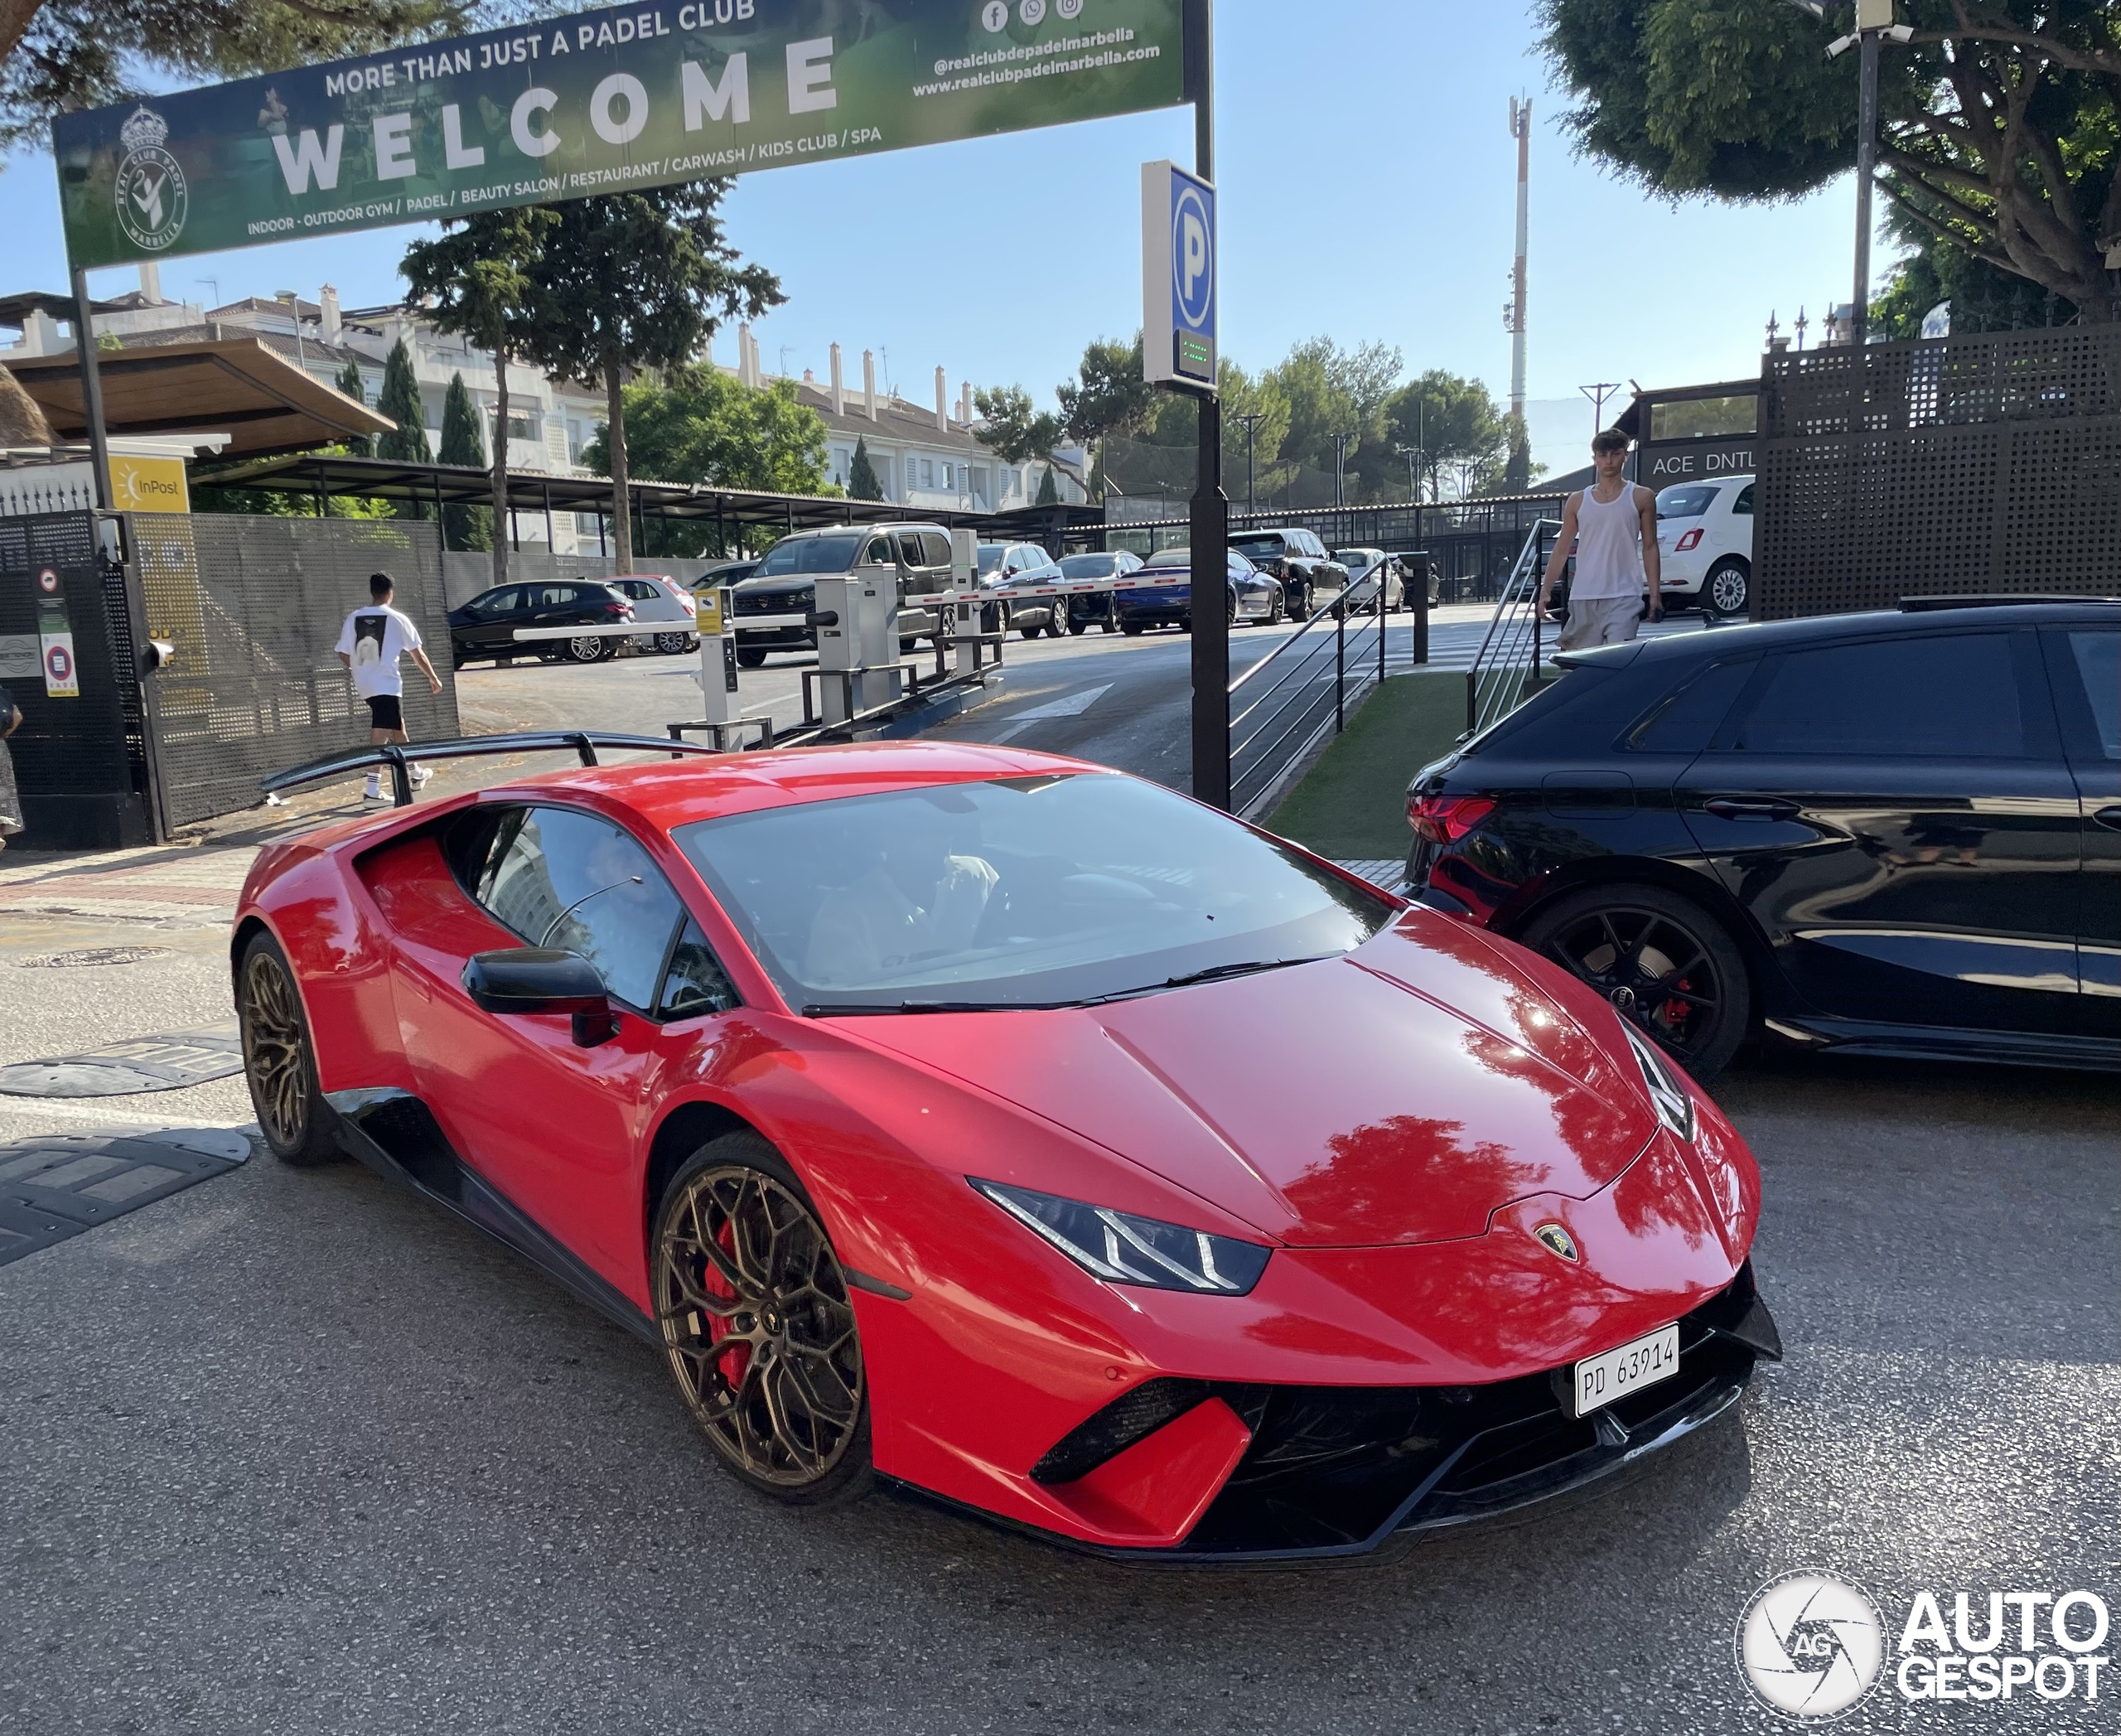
{"x":928,"y":459}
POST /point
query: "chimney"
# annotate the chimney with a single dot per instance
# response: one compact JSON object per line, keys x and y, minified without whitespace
{"x":838,"y":385}
{"x":964,"y":403}
{"x":151,"y":283}
{"x":758,"y":366}
{"x":942,"y":401}
{"x":869,"y":383}
{"x":327,"y":299}
{"x":744,"y":353}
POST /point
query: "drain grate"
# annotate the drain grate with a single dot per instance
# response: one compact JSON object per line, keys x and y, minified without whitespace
{"x":93,"y":955}
{"x":54,"y":1186}
{"x":138,"y":1064}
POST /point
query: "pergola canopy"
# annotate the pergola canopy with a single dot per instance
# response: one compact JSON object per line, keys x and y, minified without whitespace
{"x":237,"y":386}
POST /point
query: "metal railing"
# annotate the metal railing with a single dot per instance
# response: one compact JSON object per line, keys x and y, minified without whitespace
{"x":1311,"y":683}
{"x":1505,"y":671}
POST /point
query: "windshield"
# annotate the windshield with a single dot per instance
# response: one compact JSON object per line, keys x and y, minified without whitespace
{"x":1089,"y":566}
{"x":1359,"y":560}
{"x":1685,"y":501}
{"x":810,"y":554}
{"x":1171,"y":558}
{"x":1257,"y":547}
{"x":1021,"y":892}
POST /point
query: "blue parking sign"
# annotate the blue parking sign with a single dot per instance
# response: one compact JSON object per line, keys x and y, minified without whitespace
{"x":1178,"y":277}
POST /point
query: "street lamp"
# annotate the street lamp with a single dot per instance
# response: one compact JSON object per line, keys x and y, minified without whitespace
{"x":1874,"y":23}
{"x":1341,"y":469}
{"x":1251,"y":420}
{"x":1412,"y":455}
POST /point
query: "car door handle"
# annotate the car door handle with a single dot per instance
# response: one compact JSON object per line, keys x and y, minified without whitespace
{"x":1751,"y":807}
{"x":2110,"y":818}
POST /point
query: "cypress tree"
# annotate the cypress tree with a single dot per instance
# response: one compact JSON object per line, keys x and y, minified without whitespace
{"x":400,"y":401}
{"x":463,"y":442}
{"x":358,"y":446}
{"x":1049,"y":492}
{"x":861,"y":483}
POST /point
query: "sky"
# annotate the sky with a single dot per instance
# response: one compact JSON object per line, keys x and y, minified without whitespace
{"x":1366,"y":181}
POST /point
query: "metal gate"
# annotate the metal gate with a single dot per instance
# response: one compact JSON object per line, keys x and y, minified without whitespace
{"x":253,"y":607}
{"x":1952,"y":466}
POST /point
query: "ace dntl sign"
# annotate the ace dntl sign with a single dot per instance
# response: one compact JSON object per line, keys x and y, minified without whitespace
{"x":593,"y":102}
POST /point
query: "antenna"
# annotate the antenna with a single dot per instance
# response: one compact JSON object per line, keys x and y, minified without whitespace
{"x":1514,"y":318}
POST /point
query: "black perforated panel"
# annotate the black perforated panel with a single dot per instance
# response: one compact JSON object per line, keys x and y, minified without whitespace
{"x":1954,"y":466}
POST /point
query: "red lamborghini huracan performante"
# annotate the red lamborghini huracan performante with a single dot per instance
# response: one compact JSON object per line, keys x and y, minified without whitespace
{"x":1009,"y":1130}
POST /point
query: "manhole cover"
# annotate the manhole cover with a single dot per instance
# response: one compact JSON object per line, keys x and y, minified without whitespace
{"x":54,"y":1186}
{"x":94,"y":956}
{"x":139,"y":1064}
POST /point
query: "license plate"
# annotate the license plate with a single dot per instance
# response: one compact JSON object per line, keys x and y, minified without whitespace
{"x":1600,"y":1380}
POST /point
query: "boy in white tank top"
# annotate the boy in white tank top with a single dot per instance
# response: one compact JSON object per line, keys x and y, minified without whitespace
{"x":1612,"y":529}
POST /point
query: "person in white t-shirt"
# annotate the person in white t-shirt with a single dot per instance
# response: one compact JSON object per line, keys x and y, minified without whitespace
{"x":369,"y":644}
{"x":1611,"y":529}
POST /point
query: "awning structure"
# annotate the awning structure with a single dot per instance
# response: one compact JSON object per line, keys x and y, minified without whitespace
{"x":530,"y":494}
{"x":236,"y":386}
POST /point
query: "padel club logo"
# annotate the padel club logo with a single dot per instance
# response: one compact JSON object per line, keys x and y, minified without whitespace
{"x":152,"y":198}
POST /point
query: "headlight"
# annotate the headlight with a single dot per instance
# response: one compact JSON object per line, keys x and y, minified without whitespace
{"x":1124,"y":1248}
{"x":1675,"y":1102}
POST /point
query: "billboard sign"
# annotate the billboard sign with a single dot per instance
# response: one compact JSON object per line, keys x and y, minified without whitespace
{"x":594,"y":102}
{"x":1178,"y":278}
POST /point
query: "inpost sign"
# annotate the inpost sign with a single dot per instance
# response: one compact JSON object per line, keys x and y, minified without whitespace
{"x":1178,"y":278}
{"x":595,"y":102}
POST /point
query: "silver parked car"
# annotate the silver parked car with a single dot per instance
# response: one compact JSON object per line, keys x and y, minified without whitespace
{"x":662,"y":605}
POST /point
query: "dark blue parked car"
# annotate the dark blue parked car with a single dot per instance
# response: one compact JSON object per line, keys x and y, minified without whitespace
{"x":1253,"y":597}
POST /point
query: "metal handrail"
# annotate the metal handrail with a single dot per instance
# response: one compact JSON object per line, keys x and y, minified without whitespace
{"x":1507,"y":663}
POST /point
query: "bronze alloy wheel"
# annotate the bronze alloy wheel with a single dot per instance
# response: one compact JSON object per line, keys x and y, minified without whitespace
{"x":277,"y":1062}
{"x":758,"y":1328}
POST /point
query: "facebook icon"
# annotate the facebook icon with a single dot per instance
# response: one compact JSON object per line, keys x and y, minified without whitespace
{"x":1178,"y":276}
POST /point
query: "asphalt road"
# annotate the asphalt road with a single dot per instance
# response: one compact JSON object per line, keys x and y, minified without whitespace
{"x":290,"y":1451}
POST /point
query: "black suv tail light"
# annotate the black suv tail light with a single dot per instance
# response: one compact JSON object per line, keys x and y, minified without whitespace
{"x":1444,"y":819}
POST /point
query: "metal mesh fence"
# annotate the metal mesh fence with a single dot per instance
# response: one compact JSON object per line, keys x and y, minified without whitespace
{"x":253,"y":607}
{"x":1957,"y":466}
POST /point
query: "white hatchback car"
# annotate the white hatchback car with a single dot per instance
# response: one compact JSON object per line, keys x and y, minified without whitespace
{"x":1705,"y":538}
{"x":661,"y":603}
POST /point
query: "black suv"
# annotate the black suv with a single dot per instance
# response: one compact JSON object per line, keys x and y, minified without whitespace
{"x":486,"y":626}
{"x":1894,"y":833}
{"x":1296,"y":557}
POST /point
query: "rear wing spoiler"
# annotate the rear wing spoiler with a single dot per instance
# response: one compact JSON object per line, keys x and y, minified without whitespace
{"x":401,"y":757}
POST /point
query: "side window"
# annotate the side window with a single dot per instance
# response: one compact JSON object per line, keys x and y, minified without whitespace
{"x":935,"y":548}
{"x":2097,"y":657}
{"x":909,"y":547}
{"x":1685,"y":720}
{"x":566,"y":879}
{"x":1742,"y":507}
{"x":879,"y":554}
{"x":1949,"y":696}
{"x":695,"y":984}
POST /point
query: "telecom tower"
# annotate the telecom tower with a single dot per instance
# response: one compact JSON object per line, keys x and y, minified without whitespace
{"x":1513,"y":316}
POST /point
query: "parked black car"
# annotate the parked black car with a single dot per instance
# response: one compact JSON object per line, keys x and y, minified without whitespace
{"x":1893,"y":834}
{"x":1298,"y":558}
{"x":486,"y":626}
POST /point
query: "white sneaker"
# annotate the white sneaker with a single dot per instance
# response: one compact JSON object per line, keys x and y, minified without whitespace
{"x":373,"y":792}
{"x":421,"y":774}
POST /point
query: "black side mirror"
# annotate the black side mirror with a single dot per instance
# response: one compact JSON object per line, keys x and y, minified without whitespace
{"x":526,"y":979}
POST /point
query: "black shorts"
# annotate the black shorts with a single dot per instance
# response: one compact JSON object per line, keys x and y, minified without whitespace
{"x":385,"y":713}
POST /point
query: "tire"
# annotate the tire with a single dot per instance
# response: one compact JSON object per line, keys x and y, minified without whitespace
{"x":1306,"y":603}
{"x":1131,"y":629}
{"x":1030,"y":632}
{"x":810,"y":1444}
{"x":1728,"y":588}
{"x":279,"y":1058}
{"x":1057,"y":622}
{"x":1076,"y":629}
{"x":1664,"y":963}
{"x":586,"y":648}
{"x":675,"y":645}
{"x":751,"y":657}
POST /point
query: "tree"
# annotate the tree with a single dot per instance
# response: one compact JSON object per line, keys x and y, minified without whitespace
{"x":60,"y":55}
{"x":1108,"y":397}
{"x":861,"y":483}
{"x":698,"y":425}
{"x":2001,"y":134}
{"x":1331,"y":392}
{"x":1517,"y":471}
{"x":1983,"y":299}
{"x":628,"y":281}
{"x":1048,"y":490}
{"x":358,"y":446}
{"x":463,"y":527}
{"x":400,"y":400}
{"x":1450,"y":420}
{"x":1013,"y":430}
{"x":475,"y":278}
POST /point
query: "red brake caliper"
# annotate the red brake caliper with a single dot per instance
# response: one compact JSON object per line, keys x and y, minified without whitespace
{"x":737,"y":1358}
